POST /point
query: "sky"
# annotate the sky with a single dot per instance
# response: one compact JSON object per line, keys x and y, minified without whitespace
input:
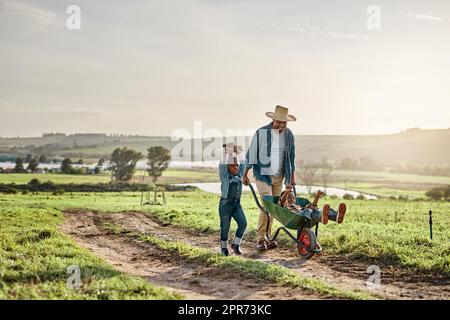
{"x":155,"y":67}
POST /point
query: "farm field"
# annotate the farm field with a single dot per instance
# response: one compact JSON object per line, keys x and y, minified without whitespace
{"x":169,"y":176}
{"x":391,"y":234}
{"x":381,"y":184}
{"x":35,"y":257}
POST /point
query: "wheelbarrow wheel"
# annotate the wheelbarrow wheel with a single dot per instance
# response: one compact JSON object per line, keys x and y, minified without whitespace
{"x":306,"y":241}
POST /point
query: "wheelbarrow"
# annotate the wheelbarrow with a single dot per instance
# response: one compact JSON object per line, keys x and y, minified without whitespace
{"x":306,"y":239}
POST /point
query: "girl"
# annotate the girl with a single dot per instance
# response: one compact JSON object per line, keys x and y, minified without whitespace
{"x":230,"y":173}
{"x":287,"y":200}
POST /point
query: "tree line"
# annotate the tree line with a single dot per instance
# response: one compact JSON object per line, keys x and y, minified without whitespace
{"x":122,"y":161}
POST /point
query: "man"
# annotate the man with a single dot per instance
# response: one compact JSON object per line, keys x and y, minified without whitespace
{"x":272,"y":156}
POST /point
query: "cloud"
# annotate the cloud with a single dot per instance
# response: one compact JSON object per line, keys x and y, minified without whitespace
{"x":428,"y":17}
{"x":318,"y":31}
{"x":33,"y":14}
{"x":6,"y":104}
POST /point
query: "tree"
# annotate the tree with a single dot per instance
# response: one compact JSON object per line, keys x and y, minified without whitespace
{"x":307,"y":175}
{"x":80,"y":161}
{"x":28,"y":158}
{"x":439,"y":193}
{"x":366,"y":163}
{"x":66,"y":166}
{"x":99,"y":166}
{"x":43,"y":158}
{"x":123,"y":163}
{"x":19,"y":165}
{"x":158,"y":161}
{"x":33,"y":165}
{"x":34,"y":184}
{"x":348,"y":164}
{"x":100,"y":162}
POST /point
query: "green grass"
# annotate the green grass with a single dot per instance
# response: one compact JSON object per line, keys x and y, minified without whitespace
{"x":175,"y":175}
{"x":35,"y":256}
{"x":384,"y":232}
{"x":381,"y":190}
{"x":170,"y":176}
{"x":24,"y":178}
{"x":247,"y":267}
{"x":389,"y":176}
{"x":385,"y":184}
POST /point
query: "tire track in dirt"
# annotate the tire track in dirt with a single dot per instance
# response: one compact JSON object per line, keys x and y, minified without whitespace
{"x":341,"y":273}
{"x":135,"y":257}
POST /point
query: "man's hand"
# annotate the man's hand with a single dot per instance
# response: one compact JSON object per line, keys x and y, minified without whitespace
{"x":293,"y":179}
{"x":245,"y":180}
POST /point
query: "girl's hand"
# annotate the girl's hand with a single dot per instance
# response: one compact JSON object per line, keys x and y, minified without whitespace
{"x":245,"y":180}
{"x":293,"y":179}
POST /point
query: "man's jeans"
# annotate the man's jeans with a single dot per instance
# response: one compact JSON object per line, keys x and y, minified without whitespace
{"x":231,"y":209}
{"x":265,"y":190}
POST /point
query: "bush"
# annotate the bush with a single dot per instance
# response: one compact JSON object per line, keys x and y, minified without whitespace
{"x":10,"y":191}
{"x":361,"y":197}
{"x":58,"y":192}
{"x":348,"y":196}
{"x":439,"y":193}
{"x":49,"y":186}
{"x":33,"y":185}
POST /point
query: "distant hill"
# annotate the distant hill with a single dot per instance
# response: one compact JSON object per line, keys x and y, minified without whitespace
{"x":414,"y":146}
{"x":418,"y":147}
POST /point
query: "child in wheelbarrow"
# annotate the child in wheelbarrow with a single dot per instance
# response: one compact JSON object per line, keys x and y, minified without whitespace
{"x":288,"y":200}
{"x":230,"y":172}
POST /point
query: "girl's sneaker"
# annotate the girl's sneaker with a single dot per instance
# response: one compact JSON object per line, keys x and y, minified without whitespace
{"x":341,"y":213}
{"x":224,"y":252}
{"x":325,"y":213}
{"x":236,"y":249}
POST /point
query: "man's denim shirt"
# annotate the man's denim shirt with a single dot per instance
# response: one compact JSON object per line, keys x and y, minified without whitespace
{"x":258,"y":154}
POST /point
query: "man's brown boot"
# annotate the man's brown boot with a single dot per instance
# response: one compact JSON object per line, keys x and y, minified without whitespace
{"x":261,"y":245}
{"x":271,"y":244}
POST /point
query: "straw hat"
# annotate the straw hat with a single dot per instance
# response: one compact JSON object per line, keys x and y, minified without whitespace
{"x":281,"y":114}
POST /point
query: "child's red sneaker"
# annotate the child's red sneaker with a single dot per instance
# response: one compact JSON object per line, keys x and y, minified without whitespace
{"x":341,"y":213}
{"x":325,"y":213}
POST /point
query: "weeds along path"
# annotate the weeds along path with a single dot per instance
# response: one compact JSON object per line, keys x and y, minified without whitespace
{"x":339,"y":273}
{"x":135,"y":257}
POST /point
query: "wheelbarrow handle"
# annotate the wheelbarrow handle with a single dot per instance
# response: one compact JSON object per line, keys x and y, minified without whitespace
{"x":262,"y":210}
{"x":255,"y":197}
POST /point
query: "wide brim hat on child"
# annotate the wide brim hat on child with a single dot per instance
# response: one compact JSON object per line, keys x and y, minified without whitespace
{"x":281,"y":114}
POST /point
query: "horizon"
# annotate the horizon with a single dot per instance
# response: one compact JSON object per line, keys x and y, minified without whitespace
{"x":167,"y":136}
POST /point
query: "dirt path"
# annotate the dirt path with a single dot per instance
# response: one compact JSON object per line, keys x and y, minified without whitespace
{"x":194,"y":281}
{"x":339,"y":273}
